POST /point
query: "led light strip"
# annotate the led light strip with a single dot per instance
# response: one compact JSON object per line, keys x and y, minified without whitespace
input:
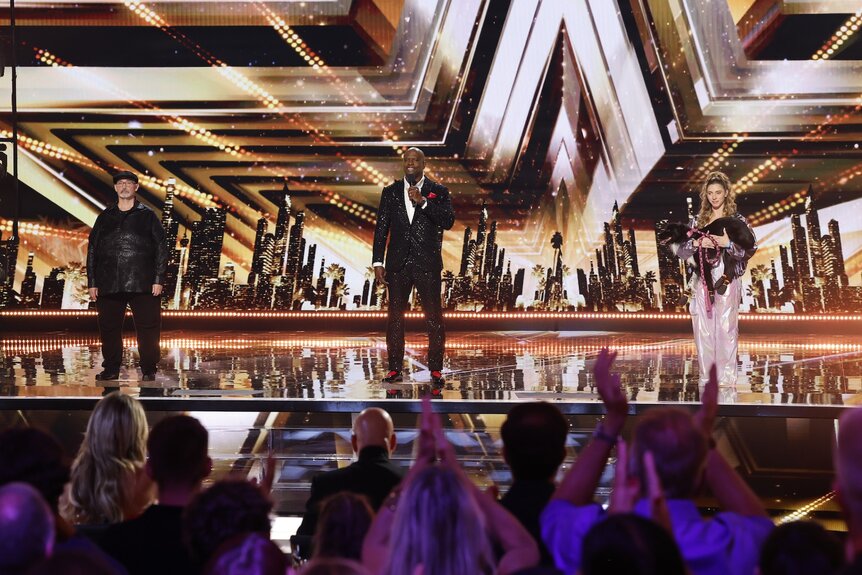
{"x":478,"y":316}
{"x":842,"y":35}
{"x":803,"y":511}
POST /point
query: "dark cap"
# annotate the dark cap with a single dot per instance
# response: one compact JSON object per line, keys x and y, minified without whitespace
{"x":125,"y":175}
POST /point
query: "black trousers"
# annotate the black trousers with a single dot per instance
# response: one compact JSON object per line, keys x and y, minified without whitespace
{"x":428,"y":287}
{"x":146,"y":310}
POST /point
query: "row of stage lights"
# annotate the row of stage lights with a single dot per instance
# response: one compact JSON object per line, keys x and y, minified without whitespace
{"x":35,"y":345}
{"x":842,"y":35}
{"x":477,"y":316}
{"x":806,"y":509}
{"x":294,"y":41}
{"x":745,"y":183}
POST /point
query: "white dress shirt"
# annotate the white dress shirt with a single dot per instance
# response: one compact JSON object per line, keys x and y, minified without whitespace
{"x":411,"y":209}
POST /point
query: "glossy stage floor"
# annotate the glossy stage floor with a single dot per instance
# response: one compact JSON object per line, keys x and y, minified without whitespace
{"x":487,"y":369}
{"x":296,"y":394}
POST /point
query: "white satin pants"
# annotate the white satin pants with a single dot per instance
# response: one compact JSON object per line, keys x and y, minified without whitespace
{"x":716,"y":334}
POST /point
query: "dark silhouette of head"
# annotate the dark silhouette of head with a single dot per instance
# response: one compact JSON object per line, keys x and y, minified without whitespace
{"x":801,"y":548}
{"x":848,"y":469}
{"x":34,"y":457}
{"x":630,"y":544}
{"x":75,"y":562}
{"x":177,"y":452}
{"x":226,"y":509}
{"x":534,"y":440}
{"x":247,"y":554}
{"x":26,"y":528}
{"x":333,"y":566}
{"x":344,"y":520}
{"x":678,"y":447}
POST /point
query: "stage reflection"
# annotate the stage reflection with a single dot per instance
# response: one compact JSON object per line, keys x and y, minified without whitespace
{"x":500,"y":366}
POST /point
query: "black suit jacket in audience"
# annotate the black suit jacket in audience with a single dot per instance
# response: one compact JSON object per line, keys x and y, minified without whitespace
{"x":150,"y":544}
{"x":372,"y":475}
{"x":526,"y":500}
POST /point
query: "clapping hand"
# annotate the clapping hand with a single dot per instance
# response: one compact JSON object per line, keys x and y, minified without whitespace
{"x":609,"y":389}
{"x":627,"y":489}
{"x":705,"y":416}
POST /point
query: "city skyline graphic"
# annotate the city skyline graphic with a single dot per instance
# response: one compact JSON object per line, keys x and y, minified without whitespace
{"x":287,"y":273}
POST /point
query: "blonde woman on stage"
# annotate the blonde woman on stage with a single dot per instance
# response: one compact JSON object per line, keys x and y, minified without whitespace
{"x":720,"y":244}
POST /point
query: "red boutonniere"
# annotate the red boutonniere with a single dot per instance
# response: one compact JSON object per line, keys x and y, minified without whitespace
{"x":432,"y":195}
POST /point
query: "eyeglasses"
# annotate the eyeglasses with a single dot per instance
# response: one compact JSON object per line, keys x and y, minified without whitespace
{"x":126,"y":183}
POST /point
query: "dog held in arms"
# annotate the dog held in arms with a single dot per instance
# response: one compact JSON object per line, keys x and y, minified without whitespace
{"x":707,"y":256}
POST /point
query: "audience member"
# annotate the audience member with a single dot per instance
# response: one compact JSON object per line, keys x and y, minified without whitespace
{"x":26,"y":528}
{"x":108,"y":481}
{"x":34,"y":457}
{"x":631,"y":544}
{"x":534,"y":445}
{"x":372,"y":475}
{"x":178,"y":463}
{"x":801,"y":548}
{"x":247,"y":554}
{"x":225,"y":510}
{"x":438,"y":523}
{"x":76,"y":562}
{"x":333,"y":566}
{"x":344,"y":521}
{"x":729,"y":543}
{"x":848,"y":484}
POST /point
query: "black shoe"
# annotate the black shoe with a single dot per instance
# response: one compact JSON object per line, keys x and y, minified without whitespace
{"x":108,"y":375}
{"x":437,"y":379}
{"x":393,"y":377}
{"x":149,"y":376}
{"x":721,"y":285}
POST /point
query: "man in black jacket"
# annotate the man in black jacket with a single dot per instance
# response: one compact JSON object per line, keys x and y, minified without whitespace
{"x":534,"y":446}
{"x":413,"y":213}
{"x":372,"y":475}
{"x":177,"y":461}
{"x":126,"y":260}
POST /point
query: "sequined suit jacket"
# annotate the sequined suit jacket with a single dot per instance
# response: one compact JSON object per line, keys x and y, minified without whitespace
{"x":423,"y":238}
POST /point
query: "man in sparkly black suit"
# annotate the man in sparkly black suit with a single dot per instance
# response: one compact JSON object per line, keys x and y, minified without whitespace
{"x":413,"y":213}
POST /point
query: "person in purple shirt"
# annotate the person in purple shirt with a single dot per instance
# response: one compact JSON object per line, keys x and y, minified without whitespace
{"x":685,"y":456}
{"x":847,"y":459}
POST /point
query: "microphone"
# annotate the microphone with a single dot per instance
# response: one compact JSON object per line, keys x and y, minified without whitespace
{"x":412,"y":180}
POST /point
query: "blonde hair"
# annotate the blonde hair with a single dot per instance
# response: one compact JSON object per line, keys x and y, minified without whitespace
{"x":437,"y":512}
{"x":114,"y":448}
{"x":705,"y":213}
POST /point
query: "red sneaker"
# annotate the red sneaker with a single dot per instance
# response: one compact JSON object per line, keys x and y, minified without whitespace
{"x":393,"y":377}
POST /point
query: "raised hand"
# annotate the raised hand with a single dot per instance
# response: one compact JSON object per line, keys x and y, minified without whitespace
{"x":427,"y":453}
{"x":655,"y":492}
{"x":626,"y":490}
{"x":609,"y":389}
{"x":705,"y":416}
{"x":267,"y":478}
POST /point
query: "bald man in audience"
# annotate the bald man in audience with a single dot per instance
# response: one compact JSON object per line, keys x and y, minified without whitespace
{"x":848,"y":484}
{"x":26,"y":528}
{"x":372,"y":474}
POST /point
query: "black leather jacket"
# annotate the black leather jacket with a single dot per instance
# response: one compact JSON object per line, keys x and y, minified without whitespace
{"x":127,"y":251}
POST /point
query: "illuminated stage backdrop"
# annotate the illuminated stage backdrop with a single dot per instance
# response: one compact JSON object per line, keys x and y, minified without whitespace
{"x":565,"y":129}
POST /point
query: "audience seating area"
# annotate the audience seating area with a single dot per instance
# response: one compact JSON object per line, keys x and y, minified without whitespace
{"x":140,"y":500}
